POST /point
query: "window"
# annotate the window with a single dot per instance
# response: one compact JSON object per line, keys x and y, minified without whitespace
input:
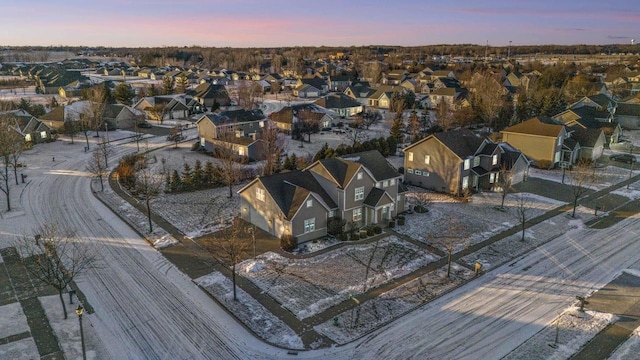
{"x":557,"y":157}
{"x":494,"y":160}
{"x":359,"y":176}
{"x":427,"y":159}
{"x":43,"y":134}
{"x":410,"y":156}
{"x":359,"y":193}
{"x":309,"y":203}
{"x":425,"y":173}
{"x":27,"y":137}
{"x":492,"y":178}
{"x":559,"y":140}
{"x":465,"y":182}
{"x":357,"y":214}
{"x":241,"y":151}
{"x":476,"y":161}
{"x":260,"y":194}
{"x":418,"y":172}
{"x":467,"y":164}
{"x":379,"y":184}
{"x":331,"y":214}
{"x":409,"y":171}
{"x":392,"y":182}
{"x":385,"y":183}
{"x":398,"y":198}
{"x":310,"y":225}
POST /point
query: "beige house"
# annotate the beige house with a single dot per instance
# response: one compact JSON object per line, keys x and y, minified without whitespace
{"x":539,"y":138}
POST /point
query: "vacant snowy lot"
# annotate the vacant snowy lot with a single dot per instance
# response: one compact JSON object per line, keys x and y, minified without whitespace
{"x":374,"y":313}
{"x":309,"y":286}
{"x":472,"y":221}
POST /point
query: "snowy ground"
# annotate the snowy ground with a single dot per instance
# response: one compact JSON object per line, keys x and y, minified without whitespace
{"x":310,"y":286}
{"x":573,"y":329}
{"x":250,"y":312}
{"x":629,"y":349}
{"x":476,"y":220}
{"x":374,"y":313}
{"x":604,"y":176}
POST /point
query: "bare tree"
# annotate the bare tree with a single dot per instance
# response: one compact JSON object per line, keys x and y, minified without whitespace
{"x":450,"y":237}
{"x":580,"y":177}
{"x":357,"y":132}
{"x":248,"y":95}
{"x":275,"y":145}
{"x":175,"y":135}
{"x":423,"y":201}
{"x":94,"y":110}
{"x":70,"y":128}
{"x":148,"y":185}
{"x":54,"y":256}
{"x":308,"y":123}
{"x":487,"y":96}
{"x":504,"y":182}
{"x":106,"y":150}
{"x":229,"y":160}
{"x":97,"y":166}
{"x":371,"y":117}
{"x":11,"y":146}
{"x":232,"y":245}
{"x":156,"y":112}
{"x":521,"y":212}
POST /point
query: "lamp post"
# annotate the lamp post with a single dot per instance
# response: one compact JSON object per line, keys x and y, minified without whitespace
{"x":79,"y":311}
{"x":106,"y":130}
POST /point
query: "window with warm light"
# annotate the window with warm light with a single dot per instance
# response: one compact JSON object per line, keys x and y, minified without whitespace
{"x":359,"y":193}
{"x":357,"y":214}
{"x":260,"y":194}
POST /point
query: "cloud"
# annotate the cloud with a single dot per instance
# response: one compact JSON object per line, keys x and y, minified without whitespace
{"x":570,"y":29}
{"x":618,"y":37}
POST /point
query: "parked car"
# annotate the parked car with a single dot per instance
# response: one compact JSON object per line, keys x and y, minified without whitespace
{"x":624,"y":158}
{"x":144,"y":125}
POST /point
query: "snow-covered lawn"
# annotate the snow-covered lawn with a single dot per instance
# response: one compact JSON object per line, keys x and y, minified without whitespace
{"x":250,"y":312}
{"x":573,"y":328}
{"x":604,"y":176}
{"x":374,"y":313}
{"x":199,"y":212}
{"x":478,"y":218}
{"x":309,"y":286}
{"x":13,"y":320}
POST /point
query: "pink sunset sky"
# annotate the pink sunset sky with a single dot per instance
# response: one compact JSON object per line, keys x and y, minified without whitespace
{"x":249,"y":23}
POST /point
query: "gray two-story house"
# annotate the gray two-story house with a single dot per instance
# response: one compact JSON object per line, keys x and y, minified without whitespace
{"x":362,"y":189}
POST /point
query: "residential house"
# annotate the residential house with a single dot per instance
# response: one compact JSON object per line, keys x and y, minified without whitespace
{"x":301,"y":203}
{"x":453,"y":97}
{"x":338,"y":82}
{"x":211,"y":96}
{"x":31,"y":129}
{"x":591,"y":142}
{"x":541,"y":139}
{"x":628,"y":115}
{"x":360,"y":91}
{"x":588,"y":117}
{"x":341,"y":104}
{"x":306,"y":91}
{"x":458,"y":161}
{"x":118,"y":116}
{"x":286,"y":118}
{"x":215,"y":129}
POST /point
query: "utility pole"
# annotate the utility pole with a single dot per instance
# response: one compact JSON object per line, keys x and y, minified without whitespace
{"x":486,"y":51}
{"x":509,"y":51}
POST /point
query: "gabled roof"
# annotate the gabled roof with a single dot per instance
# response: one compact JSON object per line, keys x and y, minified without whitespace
{"x":337,"y":101}
{"x":375,"y":163}
{"x":541,"y":126}
{"x":586,"y":137}
{"x":341,"y":170}
{"x":234,"y":116}
{"x":377,"y":197}
{"x":316,"y":82}
{"x":290,"y":189}
{"x":628,"y":109}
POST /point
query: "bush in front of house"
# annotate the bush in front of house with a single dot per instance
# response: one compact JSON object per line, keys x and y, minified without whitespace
{"x":343,"y":237}
{"x":400,"y":220}
{"x":370,"y":231}
{"x":355,"y":236}
{"x":335,"y":225}
{"x":288,"y":242}
{"x":363,"y":234}
{"x":377,"y":229}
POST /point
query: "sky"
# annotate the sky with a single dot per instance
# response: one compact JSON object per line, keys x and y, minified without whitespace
{"x":264,"y":23}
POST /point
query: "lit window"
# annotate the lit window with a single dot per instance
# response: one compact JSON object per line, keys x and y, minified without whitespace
{"x":465,"y":182}
{"x":385,"y":183}
{"x":309,"y":225}
{"x":467,"y":164}
{"x":359,"y":176}
{"x":427,"y":159}
{"x":260,"y":194}
{"x":357,"y":214}
{"x":309,"y":203}
{"x":494,"y":160}
{"x":331,"y":213}
{"x":559,"y":140}
{"x":241,"y":151}
{"x":27,"y":137}
{"x":43,"y":134}
{"x":492,"y":178}
{"x":410,"y":156}
{"x":359,"y":193}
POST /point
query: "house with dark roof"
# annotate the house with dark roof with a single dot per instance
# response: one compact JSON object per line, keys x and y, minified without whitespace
{"x":238,"y":130}
{"x":362,"y":189}
{"x":338,"y":82}
{"x":286,"y":118}
{"x":32,"y":130}
{"x":210,"y":95}
{"x":459,"y":161}
{"x":591,"y":141}
{"x":628,"y":115}
{"x":541,"y":139}
{"x":119,"y":116}
{"x":341,"y":104}
{"x":588,"y":117}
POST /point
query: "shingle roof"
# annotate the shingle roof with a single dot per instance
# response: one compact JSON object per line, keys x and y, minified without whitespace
{"x":627,"y":109}
{"x":341,"y":170}
{"x":375,"y":196}
{"x":541,"y":125}
{"x":586,"y":137}
{"x":375,"y":163}
{"x":337,"y":101}
{"x":462,"y":142}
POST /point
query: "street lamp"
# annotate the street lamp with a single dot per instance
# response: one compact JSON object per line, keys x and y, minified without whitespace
{"x":79,"y":311}
{"x":106,"y":130}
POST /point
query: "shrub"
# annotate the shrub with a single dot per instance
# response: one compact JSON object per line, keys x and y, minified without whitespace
{"x":343,"y":237}
{"x":392,"y":224}
{"x":363,"y":234}
{"x":355,"y":236}
{"x":377,"y":229}
{"x":288,"y":242}
{"x":335,"y":225}
{"x":400,"y":221}
{"x":370,"y":231}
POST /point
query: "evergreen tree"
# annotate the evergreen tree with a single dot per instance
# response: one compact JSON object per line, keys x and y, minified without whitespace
{"x":182,"y":84}
{"x":152,"y":90}
{"x":167,"y":85}
{"x":208,"y":173}
{"x":197,"y":176}
{"x":176,"y":181}
{"x":107,"y":96}
{"x":294,"y":162}
{"x":124,"y":93}
{"x":287,"y":163}
{"x":187,"y":184}
{"x":396,"y":127}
